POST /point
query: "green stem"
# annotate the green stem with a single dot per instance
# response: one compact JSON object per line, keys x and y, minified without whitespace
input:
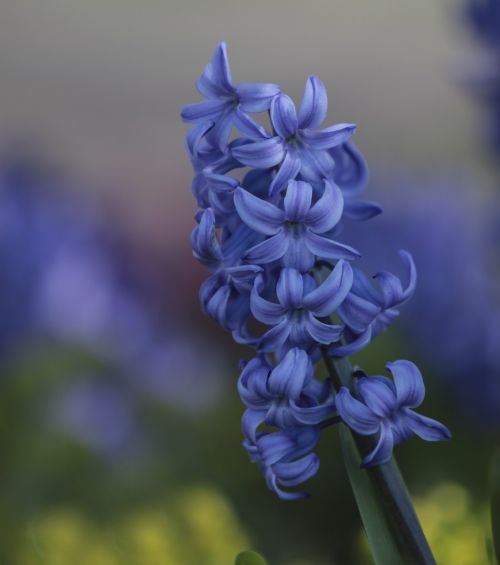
{"x":387,"y":483}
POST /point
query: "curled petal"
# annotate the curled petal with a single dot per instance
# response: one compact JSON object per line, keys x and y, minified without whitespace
{"x":354,"y":345}
{"x":351,"y":170}
{"x":269,"y":250}
{"x":312,"y":415}
{"x":314,"y":105}
{"x":284,"y":116}
{"x":248,"y":126}
{"x":327,"y":211}
{"x":195,"y":136}
{"x":288,"y":377}
{"x":256,"y":97}
{"x":261,"y":216}
{"x":378,"y":394}
{"x":290,"y":288}
{"x":323,"y":333}
{"x":206,"y":248}
{"x":275,"y":337}
{"x":289,"y":169}
{"x":260,"y":154}
{"x":203,"y":111}
{"x":383,"y":450}
{"x":410,"y":389}
{"x":250,"y":421}
{"x":358,"y":313}
{"x":427,"y":428}
{"x":219,"y":134}
{"x":355,"y":414}
{"x":328,"y":137}
{"x":332,"y":292}
{"x":266,"y":312}
{"x":325,"y":248}
{"x":297,"y":200}
{"x":217,"y":74}
{"x":361,"y":210}
{"x":294,"y":473}
{"x":392,"y":289}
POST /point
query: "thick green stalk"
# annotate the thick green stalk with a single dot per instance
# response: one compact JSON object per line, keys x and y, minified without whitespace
{"x":392,"y":505}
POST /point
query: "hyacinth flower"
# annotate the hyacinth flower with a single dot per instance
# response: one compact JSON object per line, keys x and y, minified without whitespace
{"x":385,"y":407}
{"x":284,"y":285}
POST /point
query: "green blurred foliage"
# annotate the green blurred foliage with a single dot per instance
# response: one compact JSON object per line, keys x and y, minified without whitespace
{"x":192,"y":497}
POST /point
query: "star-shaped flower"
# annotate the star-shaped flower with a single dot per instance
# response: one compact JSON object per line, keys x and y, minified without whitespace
{"x":296,"y":231}
{"x":385,"y":407}
{"x":227,"y":103}
{"x":297,"y":146}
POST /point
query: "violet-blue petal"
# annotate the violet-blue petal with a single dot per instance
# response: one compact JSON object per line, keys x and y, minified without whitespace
{"x":378,"y":394}
{"x":248,"y":126}
{"x":351,"y":169}
{"x":361,"y":210}
{"x":315,"y":165}
{"x":223,"y":183}
{"x":195,"y":136}
{"x":284,"y":116}
{"x":256,"y":97}
{"x":206,"y":110}
{"x":312,"y":415}
{"x":290,"y":288}
{"x":328,"y":137}
{"x":265,"y":311}
{"x":288,"y":170}
{"x":287,"y":378}
{"x":251,"y":420}
{"x":331,"y":293}
{"x":427,"y":428}
{"x":219,"y":134}
{"x":297,"y":200}
{"x":383,"y":450}
{"x":356,"y":414}
{"x":357,"y":312}
{"x":353,"y":345}
{"x":219,"y":71}
{"x":410,"y":388}
{"x":275,"y":337}
{"x":325,"y":248}
{"x":261,"y":216}
{"x":321,"y":332}
{"x":327,"y":211}
{"x":269,"y":250}
{"x":260,"y":154}
{"x":314,"y":105}
{"x":392,"y":288}
{"x":294,"y":473}
{"x":206,"y":248}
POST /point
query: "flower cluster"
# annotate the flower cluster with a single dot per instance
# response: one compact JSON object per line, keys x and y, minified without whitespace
{"x":269,"y":233}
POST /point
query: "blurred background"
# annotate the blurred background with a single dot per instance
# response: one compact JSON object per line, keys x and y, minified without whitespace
{"x":120,"y":436}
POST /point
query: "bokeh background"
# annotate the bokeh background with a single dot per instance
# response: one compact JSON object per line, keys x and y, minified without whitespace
{"x":120,"y":436}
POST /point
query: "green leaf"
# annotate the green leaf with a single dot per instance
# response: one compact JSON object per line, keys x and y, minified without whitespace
{"x":388,"y":517}
{"x":249,"y":558}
